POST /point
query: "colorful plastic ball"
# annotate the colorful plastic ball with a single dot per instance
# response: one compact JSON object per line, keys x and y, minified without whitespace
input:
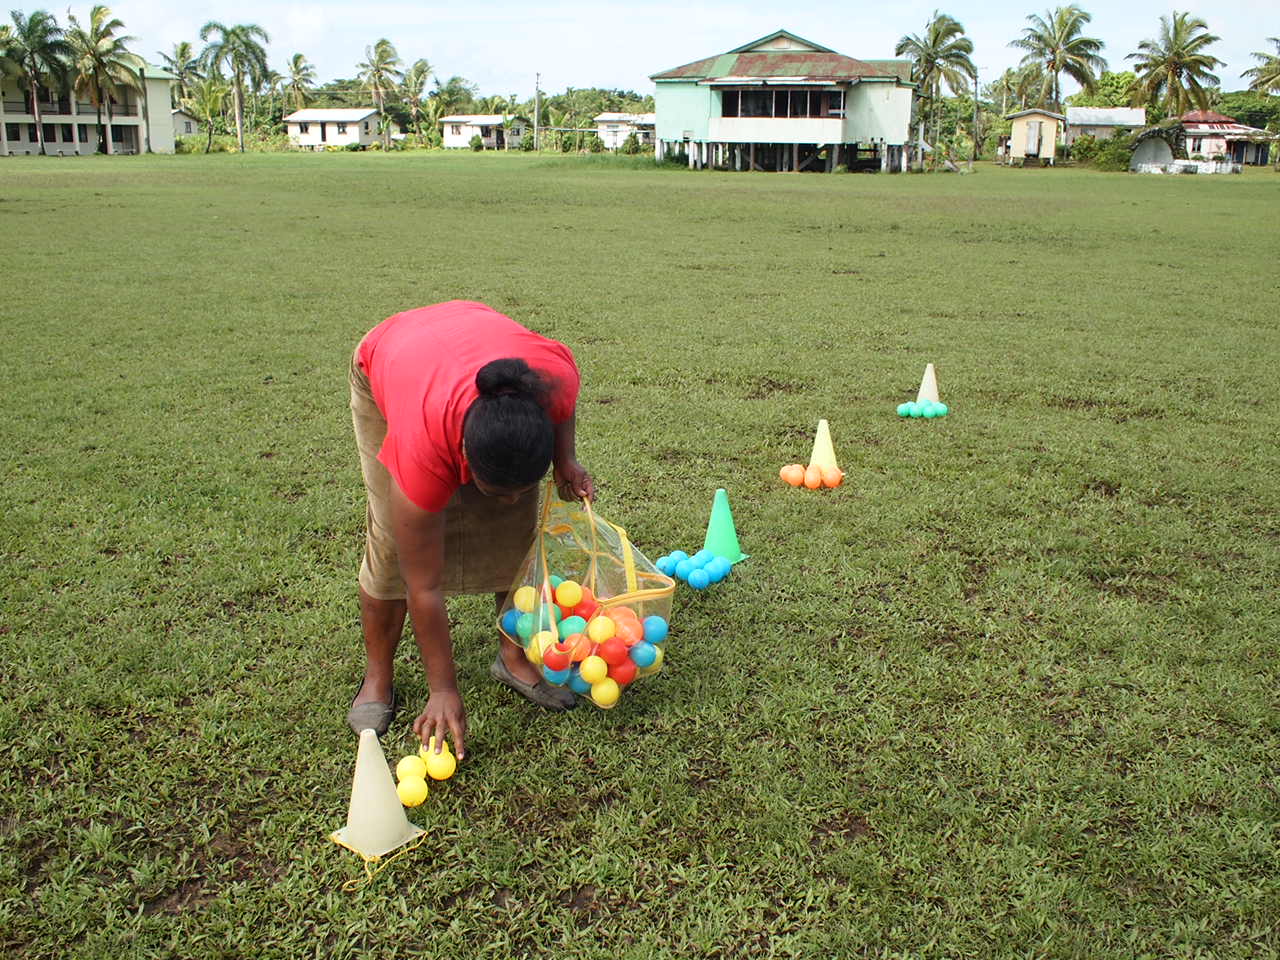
{"x":555,"y":581}
{"x":587,"y":606}
{"x":701,"y":558}
{"x":643,"y":654}
{"x":550,"y":613}
{"x":569,"y":593}
{"x":622,"y":673}
{"x":630,"y":632}
{"x":525,"y":599}
{"x":511,"y":622}
{"x":572,"y":625}
{"x":678,"y":555}
{"x":793,"y":474}
{"x":684,"y":568}
{"x":412,"y":791}
{"x":411,"y":766}
{"x":601,"y":629}
{"x":929,"y":411}
{"x":813,"y":476}
{"x":524,"y":626}
{"x":943,"y":409}
{"x":904,"y":409}
{"x":555,"y":677}
{"x":699,"y":579}
{"x":440,"y":766}
{"x":665,"y":565}
{"x":593,"y":669}
{"x":605,"y":693}
{"x":916,"y":410}
{"x":654,"y":667}
{"x":832,"y":477}
{"x":655,"y":629}
{"x":718,"y":569}
{"x":577,"y":684}
{"x":556,"y":657}
{"x":612,"y":651}
{"x":580,"y":646}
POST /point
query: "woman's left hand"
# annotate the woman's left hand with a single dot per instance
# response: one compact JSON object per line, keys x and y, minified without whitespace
{"x":573,"y":482}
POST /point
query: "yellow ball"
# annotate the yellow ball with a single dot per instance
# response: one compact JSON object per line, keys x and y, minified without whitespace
{"x":594,"y":669}
{"x":429,"y":748}
{"x":605,"y":692}
{"x":601,"y":629}
{"x":539,"y":644}
{"x":652,"y":668}
{"x":569,"y":594}
{"x":440,"y":766}
{"x":412,"y":791}
{"x":525,"y":599}
{"x":410,"y":767}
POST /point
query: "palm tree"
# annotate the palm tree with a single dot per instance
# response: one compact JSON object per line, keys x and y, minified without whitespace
{"x":273,"y":83}
{"x":38,"y":51}
{"x":1173,"y":69}
{"x":378,"y":74}
{"x":1054,"y":41}
{"x":454,"y":94}
{"x":239,"y":48}
{"x":413,"y":88}
{"x":206,"y":103}
{"x":302,"y":77}
{"x":1266,"y":75}
{"x":184,"y":65}
{"x":102,"y":65}
{"x":940,"y":54}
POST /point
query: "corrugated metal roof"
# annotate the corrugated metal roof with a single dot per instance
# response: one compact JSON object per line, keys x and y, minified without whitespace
{"x":1038,"y":112}
{"x":648,"y":118}
{"x":326,"y":114}
{"x":1107,"y":116}
{"x":480,"y":119}
{"x":814,"y":63}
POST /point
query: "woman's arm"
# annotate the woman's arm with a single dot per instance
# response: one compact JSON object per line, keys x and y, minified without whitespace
{"x":572,"y":480}
{"x":419,"y":536}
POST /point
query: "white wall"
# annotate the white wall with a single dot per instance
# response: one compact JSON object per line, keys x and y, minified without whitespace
{"x":357,"y":131}
{"x":488,"y":134}
{"x":878,"y":111}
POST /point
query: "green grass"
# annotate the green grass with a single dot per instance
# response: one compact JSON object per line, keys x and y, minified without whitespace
{"x":1009,"y":692}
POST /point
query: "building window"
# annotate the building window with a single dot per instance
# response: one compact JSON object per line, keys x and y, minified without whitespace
{"x":31,"y":133}
{"x":304,"y":128}
{"x":66,"y":133}
{"x":783,"y":103}
{"x":13,"y":131}
{"x":50,"y":133}
{"x":117,"y":134}
{"x":729,"y":101}
{"x":1195,"y":144}
{"x":83,"y":130}
{"x":342,"y":128}
{"x":366,"y":126}
{"x":186,"y":126}
{"x":455,"y":129}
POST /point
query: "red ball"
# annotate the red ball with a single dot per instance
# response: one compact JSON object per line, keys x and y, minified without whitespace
{"x":587,"y":606}
{"x":556,"y":658}
{"x":623,"y":673}
{"x":613,"y":651}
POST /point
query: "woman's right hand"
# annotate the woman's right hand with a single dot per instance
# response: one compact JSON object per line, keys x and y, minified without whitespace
{"x":444,"y":713}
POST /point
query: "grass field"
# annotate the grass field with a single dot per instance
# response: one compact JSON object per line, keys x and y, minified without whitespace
{"x":1009,"y":692}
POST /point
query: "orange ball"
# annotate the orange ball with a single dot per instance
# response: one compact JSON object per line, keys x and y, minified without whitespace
{"x":630,"y":631}
{"x":579,"y":645}
{"x":793,"y":474}
{"x":813,"y":477}
{"x":832,"y":477}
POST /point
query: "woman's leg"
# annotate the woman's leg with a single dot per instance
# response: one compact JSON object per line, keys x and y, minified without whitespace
{"x":512,"y":655}
{"x":382,"y":622}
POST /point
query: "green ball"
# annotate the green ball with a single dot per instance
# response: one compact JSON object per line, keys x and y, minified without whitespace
{"x":904,"y":409}
{"x":915,"y":410}
{"x":930,"y":411}
{"x":556,"y":581}
{"x":524,"y":626}
{"x":943,"y":409}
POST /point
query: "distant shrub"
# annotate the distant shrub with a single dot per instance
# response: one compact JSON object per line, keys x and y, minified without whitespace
{"x":631,"y":145}
{"x":595,"y":144}
{"x":476,"y":143}
{"x":1084,"y":149}
{"x":526,"y":142}
{"x":357,"y":147}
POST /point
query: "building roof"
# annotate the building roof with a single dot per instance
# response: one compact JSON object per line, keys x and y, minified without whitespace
{"x":1202,"y":122}
{"x":1035,"y":112}
{"x":632,"y":118}
{"x":334,"y":114}
{"x":480,"y":119}
{"x":784,"y":56}
{"x":152,"y":72}
{"x":1107,"y":116}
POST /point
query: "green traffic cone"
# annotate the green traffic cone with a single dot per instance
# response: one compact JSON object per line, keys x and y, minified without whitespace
{"x":722,"y":538}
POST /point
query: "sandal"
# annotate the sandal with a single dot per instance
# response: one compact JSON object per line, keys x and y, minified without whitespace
{"x":372,"y":716}
{"x":541,"y":692}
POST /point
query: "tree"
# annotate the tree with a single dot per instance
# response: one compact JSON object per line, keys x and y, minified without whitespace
{"x":1055,"y":43}
{"x":102,"y":66}
{"x":183,"y":64}
{"x":454,"y":94}
{"x":1112,"y":90}
{"x":302,"y":77}
{"x":239,"y":49}
{"x":1173,"y":69}
{"x":206,"y":103}
{"x":37,"y":52}
{"x":379,"y":75}
{"x":1266,"y":75}
{"x":413,"y":89}
{"x":940,"y":54}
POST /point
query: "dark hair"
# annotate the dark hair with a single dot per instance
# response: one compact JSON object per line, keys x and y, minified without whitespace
{"x":507,"y":433}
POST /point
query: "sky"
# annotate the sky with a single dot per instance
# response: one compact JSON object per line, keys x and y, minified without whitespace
{"x":501,"y":45}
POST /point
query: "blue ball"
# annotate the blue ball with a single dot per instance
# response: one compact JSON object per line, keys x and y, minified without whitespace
{"x":904,"y":409}
{"x":655,"y":629}
{"x":510,"y":621}
{"x":678,"y":555}
{"x":665,"y":565}
{"x":718,"y":569}
{"x":576,"y":683}
{"x":698,"y":579}
{"x":643,"y":654}
{"x":557,"y":677}
{"x":684,"y":568}
{"x":572,"y":625}
{"x":702,"y":558}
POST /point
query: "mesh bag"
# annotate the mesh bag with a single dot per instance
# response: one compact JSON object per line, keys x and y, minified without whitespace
{"x":588,"y":608}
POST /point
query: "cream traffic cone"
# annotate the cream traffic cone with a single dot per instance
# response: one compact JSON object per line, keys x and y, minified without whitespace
{"x":824,"y":454}
{"x":928,"y":386}
{"x":376,"y":823}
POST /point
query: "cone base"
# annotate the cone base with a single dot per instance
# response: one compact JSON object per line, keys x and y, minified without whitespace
{"x":343,"y":838}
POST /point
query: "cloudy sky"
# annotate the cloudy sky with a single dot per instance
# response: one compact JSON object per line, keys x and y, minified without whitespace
{"x":501,"y":45}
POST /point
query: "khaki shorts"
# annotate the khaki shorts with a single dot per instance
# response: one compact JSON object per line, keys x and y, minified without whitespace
{"x":484,"y":541}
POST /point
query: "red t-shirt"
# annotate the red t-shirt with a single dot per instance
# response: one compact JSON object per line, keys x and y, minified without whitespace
{"x":422,"y":367}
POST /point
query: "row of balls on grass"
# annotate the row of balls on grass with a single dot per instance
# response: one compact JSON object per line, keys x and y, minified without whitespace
{"x":812,"y":476}
{"x":412,"y":771}
{"x":698,"y":571}
{"x":929,"y":409}
{"x":595,"y":651}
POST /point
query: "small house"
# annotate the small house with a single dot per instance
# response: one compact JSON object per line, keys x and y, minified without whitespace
{"x":1213,"y":136}
{"x":1101,"y":123}
{"x":614,"y":128}
{"x":316,"y":128}
{"x":1034,"y":137}
{"x":497,"y":131}
{"x":185,"y":124}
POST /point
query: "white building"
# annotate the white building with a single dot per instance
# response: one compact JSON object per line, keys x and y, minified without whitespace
{"x":140,"y":119}
{"x":614,"y":128}
{"x":459,"y":128}
{"x":1101,"y":122}
{"x":318,"y":127}
{"x":185,"y":124}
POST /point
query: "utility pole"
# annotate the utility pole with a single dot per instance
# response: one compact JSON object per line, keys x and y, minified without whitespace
{"x":537,"y":108}
{"x":974,"y":158}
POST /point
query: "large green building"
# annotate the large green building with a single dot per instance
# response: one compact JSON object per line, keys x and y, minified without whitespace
{"x":784,"y":103}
